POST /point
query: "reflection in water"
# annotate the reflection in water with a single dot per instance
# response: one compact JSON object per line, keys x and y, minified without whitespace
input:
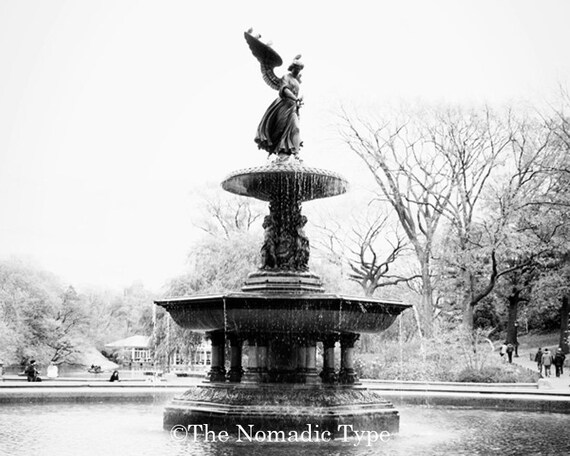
{"x":136,"y":429}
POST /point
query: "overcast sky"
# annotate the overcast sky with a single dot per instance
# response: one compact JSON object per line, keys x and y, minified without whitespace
{"x":112,"y":112}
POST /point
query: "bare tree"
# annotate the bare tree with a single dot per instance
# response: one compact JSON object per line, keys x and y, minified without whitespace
{"x":222,"y":214}
{"x":473,"y":143}
{"x":547,"y":215}
{"x":412,"y":177}
{"x":524,"y":183}
{"x":369,"y":248}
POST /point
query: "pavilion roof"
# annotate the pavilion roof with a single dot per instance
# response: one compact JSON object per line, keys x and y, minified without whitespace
{"x":136,"y":341}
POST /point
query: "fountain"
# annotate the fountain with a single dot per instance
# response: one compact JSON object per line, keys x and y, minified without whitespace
{"x":282,"y":310}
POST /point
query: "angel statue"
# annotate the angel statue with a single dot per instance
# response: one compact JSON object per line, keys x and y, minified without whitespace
{"x":278,"y":131}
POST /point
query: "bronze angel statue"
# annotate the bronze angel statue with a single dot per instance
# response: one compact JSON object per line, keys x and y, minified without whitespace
{"x":278,"y":131}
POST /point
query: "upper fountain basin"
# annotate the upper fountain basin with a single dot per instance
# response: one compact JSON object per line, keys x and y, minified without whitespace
{"x":288,"y":177}
{"x":283,"y":313}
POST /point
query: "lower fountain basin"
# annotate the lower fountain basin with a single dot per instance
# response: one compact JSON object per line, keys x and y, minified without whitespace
{"x":283,"y":313}
{"x":282,"y":407}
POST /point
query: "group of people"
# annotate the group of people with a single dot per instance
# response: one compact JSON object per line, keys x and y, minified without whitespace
{"x":508,"y":349}
{"x":546,"y":359}
{"x":33,"y":374}
{"x":543,"y":358}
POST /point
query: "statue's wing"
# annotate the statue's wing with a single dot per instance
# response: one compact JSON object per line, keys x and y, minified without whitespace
{"x":267,"y":57}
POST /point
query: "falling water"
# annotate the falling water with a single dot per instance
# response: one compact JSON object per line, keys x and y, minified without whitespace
{"x":401,"y":344}
{"x":225,"y":316}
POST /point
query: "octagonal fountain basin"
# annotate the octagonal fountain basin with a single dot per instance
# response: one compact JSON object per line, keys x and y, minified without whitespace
{"x":279,"y":406}
{"x":285,"y":313}
{"x":285,"y":178}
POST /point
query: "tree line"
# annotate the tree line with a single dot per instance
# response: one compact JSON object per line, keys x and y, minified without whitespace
{"x":467,"y":220}
{"x":481,"y":196}
{"x":44,"y":319}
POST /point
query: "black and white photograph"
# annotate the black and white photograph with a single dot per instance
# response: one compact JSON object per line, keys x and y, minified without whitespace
{"x":253,"y":228}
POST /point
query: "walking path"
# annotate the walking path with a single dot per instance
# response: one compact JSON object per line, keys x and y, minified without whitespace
{"x":553,"y":383}
{"x":549,"y":395}
{"x":511,"y":396}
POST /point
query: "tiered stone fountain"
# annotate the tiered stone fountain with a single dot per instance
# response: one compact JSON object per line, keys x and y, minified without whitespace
{"x":282,"y":311}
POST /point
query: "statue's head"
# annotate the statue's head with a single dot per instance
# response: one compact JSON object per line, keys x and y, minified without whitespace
{"x":296,"y":64}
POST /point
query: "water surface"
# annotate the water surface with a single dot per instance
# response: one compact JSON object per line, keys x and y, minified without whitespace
{"x":136,"y":429}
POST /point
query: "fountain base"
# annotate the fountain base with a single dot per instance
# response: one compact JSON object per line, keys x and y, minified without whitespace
{"x":281,"y":315}
{"x":282,"y":407}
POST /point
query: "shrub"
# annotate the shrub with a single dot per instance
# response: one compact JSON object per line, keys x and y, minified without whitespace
{"x":503,"y":373}
{"x":449,"y":356}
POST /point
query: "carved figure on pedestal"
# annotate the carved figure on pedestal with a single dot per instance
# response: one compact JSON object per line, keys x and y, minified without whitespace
{"x":302,"y":252}
{"x":278,"y":131}
{"x":268,"y":257}
{"x":285,"y":251}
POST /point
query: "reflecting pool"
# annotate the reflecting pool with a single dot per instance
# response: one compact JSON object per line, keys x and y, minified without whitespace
{"x":136,"y":429}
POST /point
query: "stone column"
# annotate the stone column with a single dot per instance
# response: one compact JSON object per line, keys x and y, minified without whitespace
{"x":236,"y":370}
{"x":262,"y":358}
{"x":347,"y":375}
{"x":218,"y":371}
{"x":252,"y":371}
{"x":328,"y":373}
{"x":301,"y":371}
{"x":311,"y":375}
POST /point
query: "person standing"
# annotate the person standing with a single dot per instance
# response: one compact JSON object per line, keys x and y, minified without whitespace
{"x":52,"y":370}
{"x":510,"y":350}
{"x":546,"y":362}
{"x":559,"y":358}
{"x":538,"y":360}
{"x":503,"y":351}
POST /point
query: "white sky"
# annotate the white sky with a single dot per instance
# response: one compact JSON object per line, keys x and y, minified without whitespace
{"x":112,"y":111}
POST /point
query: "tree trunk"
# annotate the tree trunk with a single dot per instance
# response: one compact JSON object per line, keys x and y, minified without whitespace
{"x":468,"y":316}
{"x":427,"y":300}
{"x":474,"y":299}
{"x":564,"y":312}
{"x":514,"y":300}
{"x":418,"y":322}
{"x":469,"y":307}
